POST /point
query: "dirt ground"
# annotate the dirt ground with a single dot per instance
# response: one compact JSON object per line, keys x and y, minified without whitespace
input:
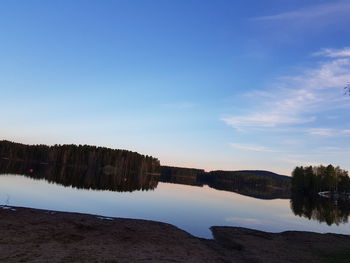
{"x":30,"y":235}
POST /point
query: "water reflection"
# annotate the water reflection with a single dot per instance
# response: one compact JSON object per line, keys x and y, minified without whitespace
{"x":81,"y":166}
{"x":94,"y":176}
{"x":321,"y":209}
{"x":258,"y":184}
{"x":193,"y":209}
{"x":102,"y":176}
{"x":98,"y":176}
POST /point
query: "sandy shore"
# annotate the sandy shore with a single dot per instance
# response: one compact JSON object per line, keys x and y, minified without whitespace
{"x":31,"y":235}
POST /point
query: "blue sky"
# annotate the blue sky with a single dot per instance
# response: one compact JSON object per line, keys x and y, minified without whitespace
{"x":207,"y":84}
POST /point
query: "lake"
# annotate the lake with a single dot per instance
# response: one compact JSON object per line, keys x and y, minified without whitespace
{"x":192,"y":208}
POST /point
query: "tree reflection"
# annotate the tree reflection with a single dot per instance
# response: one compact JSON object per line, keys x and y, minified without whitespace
{"x":96,"y":177}
{"x":258,"y":184}
{"x":81,"y":166}
{"x":321,"y":209}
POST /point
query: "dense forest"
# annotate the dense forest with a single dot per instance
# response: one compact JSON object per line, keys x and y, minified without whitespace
{"x":260,"y":184}
{"x":123,"y":161}
{"x":81,"y":166}
{"x":310,"y":180}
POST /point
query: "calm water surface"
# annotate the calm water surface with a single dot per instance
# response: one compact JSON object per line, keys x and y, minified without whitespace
{"x":191,"y":208}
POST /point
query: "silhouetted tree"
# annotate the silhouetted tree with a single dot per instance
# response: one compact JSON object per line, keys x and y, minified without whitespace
{"x":260,"y":184}
{"x":347,"y":89}
{"x":82,"y":166}
{"x":320,"y":178}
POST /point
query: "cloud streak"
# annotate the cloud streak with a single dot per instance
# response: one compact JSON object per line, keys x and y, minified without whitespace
{"x":327,"y":132}
{"x":300,"y":99}
{"x":334,"y":53}
{"x":311,"y":13}
{"x":250,"y":147}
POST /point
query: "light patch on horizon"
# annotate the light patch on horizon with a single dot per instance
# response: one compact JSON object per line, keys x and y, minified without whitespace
{"x":319,"y":156}
{"x":250,"y":147}
{"x":298,"y":162}
{"x":246,"y":220}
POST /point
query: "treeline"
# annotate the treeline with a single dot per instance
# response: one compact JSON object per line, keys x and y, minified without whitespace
{"x":314,"y":179}
{"x":114,"y":163}
{"x":260,"y":184}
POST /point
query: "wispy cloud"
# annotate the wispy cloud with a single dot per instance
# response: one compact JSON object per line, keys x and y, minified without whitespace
{"x":311,"y":13}
{"x":250,"y":147}
{"x":327,"y":132}
{"x":322,"y":132}
{"x":300,"y":99}
{"x":334,"y":53}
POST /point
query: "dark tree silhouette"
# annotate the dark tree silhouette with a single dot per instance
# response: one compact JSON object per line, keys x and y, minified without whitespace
{"x":259,"y":184}
{"x":81,"y":166}
{"x":310,"y":180}
{"x":347,"y":89}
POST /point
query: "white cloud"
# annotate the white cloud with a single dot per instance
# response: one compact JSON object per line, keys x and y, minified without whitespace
{"x":268,"y":119}
{"x":327,"y":132}
{"x":300,"y":99}
{"x":334,"y":53}
{"x":312,"y":13}
{"x":322,"y":132}
{"x":250,"y":147}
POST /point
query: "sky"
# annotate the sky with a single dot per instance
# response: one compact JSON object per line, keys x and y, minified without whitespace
{"x":218,"y":84}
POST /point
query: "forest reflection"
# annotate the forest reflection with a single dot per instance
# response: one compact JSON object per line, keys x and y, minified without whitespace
{"x":105,"y":177}
{"x":257,"y":184}
{"x":100,"y":168}
{"x":81,"y":166}
{"x":322,"y":209}
{"x":82,"y":177}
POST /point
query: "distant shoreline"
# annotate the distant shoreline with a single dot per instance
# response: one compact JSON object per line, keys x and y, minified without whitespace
{"x":33,"y":235}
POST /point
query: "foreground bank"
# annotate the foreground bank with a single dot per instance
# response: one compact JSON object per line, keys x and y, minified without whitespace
{"x":31,"y":235}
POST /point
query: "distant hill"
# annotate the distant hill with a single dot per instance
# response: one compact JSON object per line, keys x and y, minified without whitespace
{"x":255,"y":183}
{"x":265,"y":173}
{"x":171,"y":170}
